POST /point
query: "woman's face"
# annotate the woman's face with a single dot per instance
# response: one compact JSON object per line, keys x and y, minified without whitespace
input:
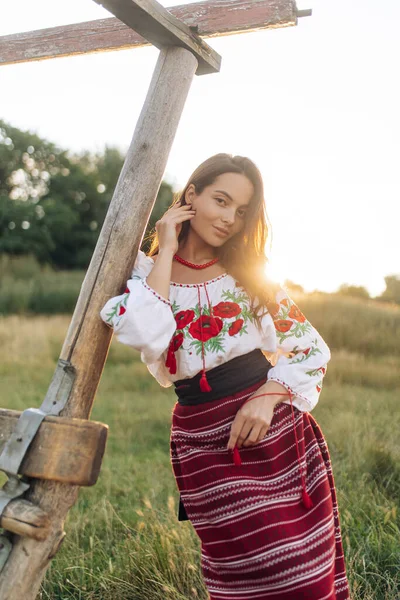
{"x":221,"y":206}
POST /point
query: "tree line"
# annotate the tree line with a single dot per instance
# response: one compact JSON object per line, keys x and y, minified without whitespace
{"x":53,"y":203}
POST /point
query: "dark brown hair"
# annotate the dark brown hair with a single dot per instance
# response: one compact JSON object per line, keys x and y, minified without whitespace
{"x":244,"y":255}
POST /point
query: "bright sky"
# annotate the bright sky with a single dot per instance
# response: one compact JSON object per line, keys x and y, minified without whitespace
{"x":315,"y":106}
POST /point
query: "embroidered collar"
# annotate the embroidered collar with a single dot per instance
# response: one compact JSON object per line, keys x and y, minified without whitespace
{"x":197,"y":284}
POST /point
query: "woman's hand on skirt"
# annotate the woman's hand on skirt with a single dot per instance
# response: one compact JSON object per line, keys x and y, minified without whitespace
{"x":253,"y":419}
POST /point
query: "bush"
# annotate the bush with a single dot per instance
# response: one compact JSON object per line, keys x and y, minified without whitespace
{"x":25,"y":287}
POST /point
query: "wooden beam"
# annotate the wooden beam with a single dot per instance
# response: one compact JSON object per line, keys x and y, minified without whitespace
{"x":88,"y":338}
{"x":214,"y":18}
{"x":162,"y":29}
{"x":26,"y":519}
{"x":65,"y":450}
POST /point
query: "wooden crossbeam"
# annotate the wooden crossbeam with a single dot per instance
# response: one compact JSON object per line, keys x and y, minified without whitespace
{"x":213,"y":18}
{"x":65,"y":450}
{"x":161,"y":28}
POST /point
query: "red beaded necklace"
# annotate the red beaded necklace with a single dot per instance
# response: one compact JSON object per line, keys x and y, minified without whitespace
{"x":194,"y":266}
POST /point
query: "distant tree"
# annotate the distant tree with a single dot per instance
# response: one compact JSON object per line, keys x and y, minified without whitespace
{"x":52,"y":203}
{"x":293,"y":287}
{"x":392,"y":291}
{"x":26,"y":165}
{"x":353,"y":290}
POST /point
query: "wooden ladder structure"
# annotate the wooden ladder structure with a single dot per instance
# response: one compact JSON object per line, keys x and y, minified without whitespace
{"x":48,"y":453}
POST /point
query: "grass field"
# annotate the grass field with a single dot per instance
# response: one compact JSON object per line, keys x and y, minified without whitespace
{"x":123,"y":539}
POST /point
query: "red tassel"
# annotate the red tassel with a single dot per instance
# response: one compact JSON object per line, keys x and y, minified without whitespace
{"x":236,"y":456}
{"x":308,"y":503}
{"x":171,"y":361}
{"x":204,"y":385}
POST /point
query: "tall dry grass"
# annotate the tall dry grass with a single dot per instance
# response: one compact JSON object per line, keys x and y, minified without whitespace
{"x":123,"y":539}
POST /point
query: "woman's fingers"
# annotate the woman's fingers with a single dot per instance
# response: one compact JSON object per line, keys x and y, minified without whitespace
{"x":236,"y":428}
{"x":263,"y":432}
{"x":180,"y":210}
{"x":256,"y":435}
{"x":239,"y":429}
{"x":245,"y":431}
{"x":177,"y":218}
{"x":184,"y":215}
{"x":179,"y":205}
{"x":182,"y":218}
{"x":169,"y":226}
{"x":165,"y":221}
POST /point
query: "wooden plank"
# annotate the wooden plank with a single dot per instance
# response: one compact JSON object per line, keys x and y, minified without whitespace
{"x":160,"y":27}
{"x":24,"y":518}
{"x":88,"y":338}
{"x":64,"y":449}
{"x":214,"y":18}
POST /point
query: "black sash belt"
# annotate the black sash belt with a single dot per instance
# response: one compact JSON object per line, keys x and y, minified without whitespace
{"x":225,"y":379}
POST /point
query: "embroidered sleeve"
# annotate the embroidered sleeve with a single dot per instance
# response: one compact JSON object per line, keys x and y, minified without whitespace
{"x":301,"y":356}
{"x":140,"y":317}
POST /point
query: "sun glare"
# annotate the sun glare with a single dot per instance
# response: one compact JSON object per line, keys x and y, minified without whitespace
{"x":275,"y":271}
{"x":281,"y":268}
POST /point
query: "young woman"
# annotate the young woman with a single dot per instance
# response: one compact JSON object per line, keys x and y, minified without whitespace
{"x":251,"y":464}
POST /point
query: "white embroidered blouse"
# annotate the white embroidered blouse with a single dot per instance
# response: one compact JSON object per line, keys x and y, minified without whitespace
{"x":170,"y":333}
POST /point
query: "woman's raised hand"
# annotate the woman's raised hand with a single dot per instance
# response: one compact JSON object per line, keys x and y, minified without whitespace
{"x":169,"y":226}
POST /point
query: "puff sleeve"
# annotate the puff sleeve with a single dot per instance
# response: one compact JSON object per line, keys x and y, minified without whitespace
{"x":140,"y":317}
{"x":301,"y":356}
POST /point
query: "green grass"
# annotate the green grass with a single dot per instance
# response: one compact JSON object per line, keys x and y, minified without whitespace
{"x":366,"y":327}
{"x":123,"y":539}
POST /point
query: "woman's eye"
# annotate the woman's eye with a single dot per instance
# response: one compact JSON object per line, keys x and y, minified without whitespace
{"x":241,"y":215}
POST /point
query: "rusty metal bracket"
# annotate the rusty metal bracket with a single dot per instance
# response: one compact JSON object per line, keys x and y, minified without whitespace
{"x":26,"y":428}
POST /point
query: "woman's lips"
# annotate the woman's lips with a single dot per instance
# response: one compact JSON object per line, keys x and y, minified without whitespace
{"x":220,"y":231}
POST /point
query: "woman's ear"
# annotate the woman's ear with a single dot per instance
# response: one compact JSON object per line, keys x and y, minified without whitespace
{"x":189,"y":194}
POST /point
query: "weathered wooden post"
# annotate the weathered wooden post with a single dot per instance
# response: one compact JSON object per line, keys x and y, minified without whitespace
{"x":87,"y":340}
{"x":54,"y":477}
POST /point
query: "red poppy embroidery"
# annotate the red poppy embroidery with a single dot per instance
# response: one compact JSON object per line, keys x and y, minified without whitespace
{"x":205,"y":327}
{"x":273,"y":308}
{"x":176,"y":341}
{"x":283,"y":325}
{"x":306,"y":351}
{"x":318,"y":388}
{"x":295,"y":313}
{"x":285,"y":302}
{"x":122,"y":309}
{"x":127,"y":291}
{"x":183,"y":318}
{"x":226,"y":310}
{"x":235,"y":327}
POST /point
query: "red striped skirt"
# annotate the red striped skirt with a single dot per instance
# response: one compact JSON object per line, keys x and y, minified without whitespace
{"x":258,"y":541}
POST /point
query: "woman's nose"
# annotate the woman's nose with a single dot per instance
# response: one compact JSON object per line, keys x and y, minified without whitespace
{"x":229,"y":219}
